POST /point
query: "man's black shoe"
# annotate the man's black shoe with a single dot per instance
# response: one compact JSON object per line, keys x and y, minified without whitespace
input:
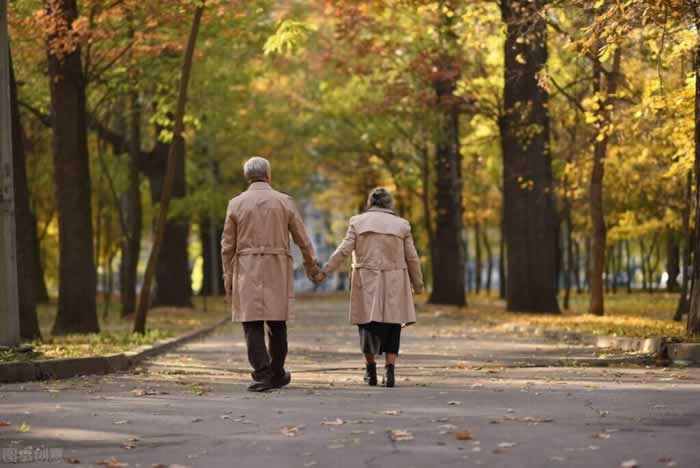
{"x":260,"y":386}
{"x":371,"y":375}
{"x":280,"y":381}
{"x":389,"y":379}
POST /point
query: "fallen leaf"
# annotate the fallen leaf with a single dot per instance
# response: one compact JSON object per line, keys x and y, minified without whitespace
{"x":335,"y":422}
{"x":196,"y":420}
{"x":629,"y":464}
{"x":507,"y":444}
{"x":292,"y":431}
{"x":454,"y":403}
{"x":111,"y":463}
{"x":601,"y":435}
{"x":24,"y":427}
{"x":463,"y":435}
{"x":529,"y":419}
{"x":392,"y":412}
{"x":400,"y":436}
{"x":5,"y":423}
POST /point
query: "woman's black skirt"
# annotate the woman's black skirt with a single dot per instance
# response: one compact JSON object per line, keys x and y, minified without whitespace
{"x":379,"y":337}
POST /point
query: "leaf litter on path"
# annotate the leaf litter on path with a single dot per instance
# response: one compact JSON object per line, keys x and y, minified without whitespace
{"x":24,"y":428}
{"x":463,"y":435}
{"x":334,"y":422}
{"x":292,"y":430}
{"x":400,"y":435}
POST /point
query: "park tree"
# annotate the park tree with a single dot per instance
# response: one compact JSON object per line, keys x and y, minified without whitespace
{"x":77,"y":277}
{"x":25,"y":225}
{"x":528,"y":207}
{"x":680,"y":22}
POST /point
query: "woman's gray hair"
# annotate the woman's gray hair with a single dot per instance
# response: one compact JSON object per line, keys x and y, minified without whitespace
{"x":380,"y":198}
{"x":256,"y":168}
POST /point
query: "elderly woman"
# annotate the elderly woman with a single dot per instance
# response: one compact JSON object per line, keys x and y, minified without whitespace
{"x":385,"y":268}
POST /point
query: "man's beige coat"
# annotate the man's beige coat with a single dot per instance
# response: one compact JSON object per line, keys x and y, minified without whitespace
{"x":257,"y":263}
{"x":385,"y":268}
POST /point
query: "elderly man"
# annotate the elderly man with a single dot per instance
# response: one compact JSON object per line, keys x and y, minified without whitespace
{"x":259,"y":272}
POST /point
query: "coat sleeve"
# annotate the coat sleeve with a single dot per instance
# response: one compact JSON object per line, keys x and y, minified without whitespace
{"x":298,"y":231}
{"x":413,"y":263}
{"x":228,"y":245}
{"x":342,"y":252}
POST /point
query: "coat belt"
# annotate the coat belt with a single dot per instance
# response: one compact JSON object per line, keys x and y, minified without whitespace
{"x":382,"y":267}
{"x":262,"y":251}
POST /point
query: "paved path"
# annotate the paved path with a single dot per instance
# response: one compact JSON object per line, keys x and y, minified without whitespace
{"x":526,"y":403}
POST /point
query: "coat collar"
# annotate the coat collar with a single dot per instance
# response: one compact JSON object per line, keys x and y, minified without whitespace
{"x":259,"y":185}
{"x":381,"y":210}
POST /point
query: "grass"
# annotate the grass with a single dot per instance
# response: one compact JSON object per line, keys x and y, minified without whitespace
{"x":115,"y":332}
{"x":638,"y":314}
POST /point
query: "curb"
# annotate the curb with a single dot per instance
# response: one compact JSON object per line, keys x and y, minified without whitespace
{"x":64,"y":368}
{"x":684,"y":354}
{"x":664,"y":348}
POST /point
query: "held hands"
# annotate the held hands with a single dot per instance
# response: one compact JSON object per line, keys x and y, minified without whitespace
{"x":317,"y":275}
{"x":318,"y":278}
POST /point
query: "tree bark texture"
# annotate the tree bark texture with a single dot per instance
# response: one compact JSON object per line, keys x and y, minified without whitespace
{"x":25,"y":225}
{"x":77,"y":308}
{"x":448,"y":259}
{"x":529,"y":214}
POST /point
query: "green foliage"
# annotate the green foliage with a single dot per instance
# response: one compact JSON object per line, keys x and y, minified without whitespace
{"x":289,"y":37}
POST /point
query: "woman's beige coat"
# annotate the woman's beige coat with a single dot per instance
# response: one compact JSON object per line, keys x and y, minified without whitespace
{"x":385,"y":267}
{"x":257,"y":264}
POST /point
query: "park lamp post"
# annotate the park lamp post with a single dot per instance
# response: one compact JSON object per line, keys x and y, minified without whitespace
{"x":9,"y":301}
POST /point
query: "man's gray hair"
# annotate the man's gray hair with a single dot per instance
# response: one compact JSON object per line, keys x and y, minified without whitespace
{"x":256,"y":168}
{"x":380,"y":198}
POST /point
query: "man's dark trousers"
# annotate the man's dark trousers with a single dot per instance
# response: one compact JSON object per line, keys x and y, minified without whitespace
{"x":266,"y":364}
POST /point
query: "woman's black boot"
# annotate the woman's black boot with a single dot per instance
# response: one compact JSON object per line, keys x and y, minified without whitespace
{"x":389,"y":378}
{"x":371,"y":374}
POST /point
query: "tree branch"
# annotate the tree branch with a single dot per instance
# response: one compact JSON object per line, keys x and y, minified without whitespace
{"x":42,"y":117}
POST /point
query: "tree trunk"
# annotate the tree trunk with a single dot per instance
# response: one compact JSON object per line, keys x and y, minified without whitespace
{"x":587,"y":263}
{"x":609,"y":267}
{"x":529,"y":214}
{"x":38,"y":280}
{"x":577,"y":265}
{"x":173,"y":278}
{"x":448,"y":250}
{"x":131,"y":242}
{"x":25,"y":225}
{"x":478,"y":267}
{"x":489,"y":258}
{"x":77,"y":308}
{"x":569,"y":269}
{"x":653,"y":261}
{"x":628,"y":266}
{"x":673,"y":259}
{"x":209,"y":276}
{"x":683,"y":303}
{"x":107,"y":284}
{"x":427,"y":206}
{"x":643,"y":264}
{"x":168,"y":185}
{"x":502,"y":282}
{"x":600,"y":148}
